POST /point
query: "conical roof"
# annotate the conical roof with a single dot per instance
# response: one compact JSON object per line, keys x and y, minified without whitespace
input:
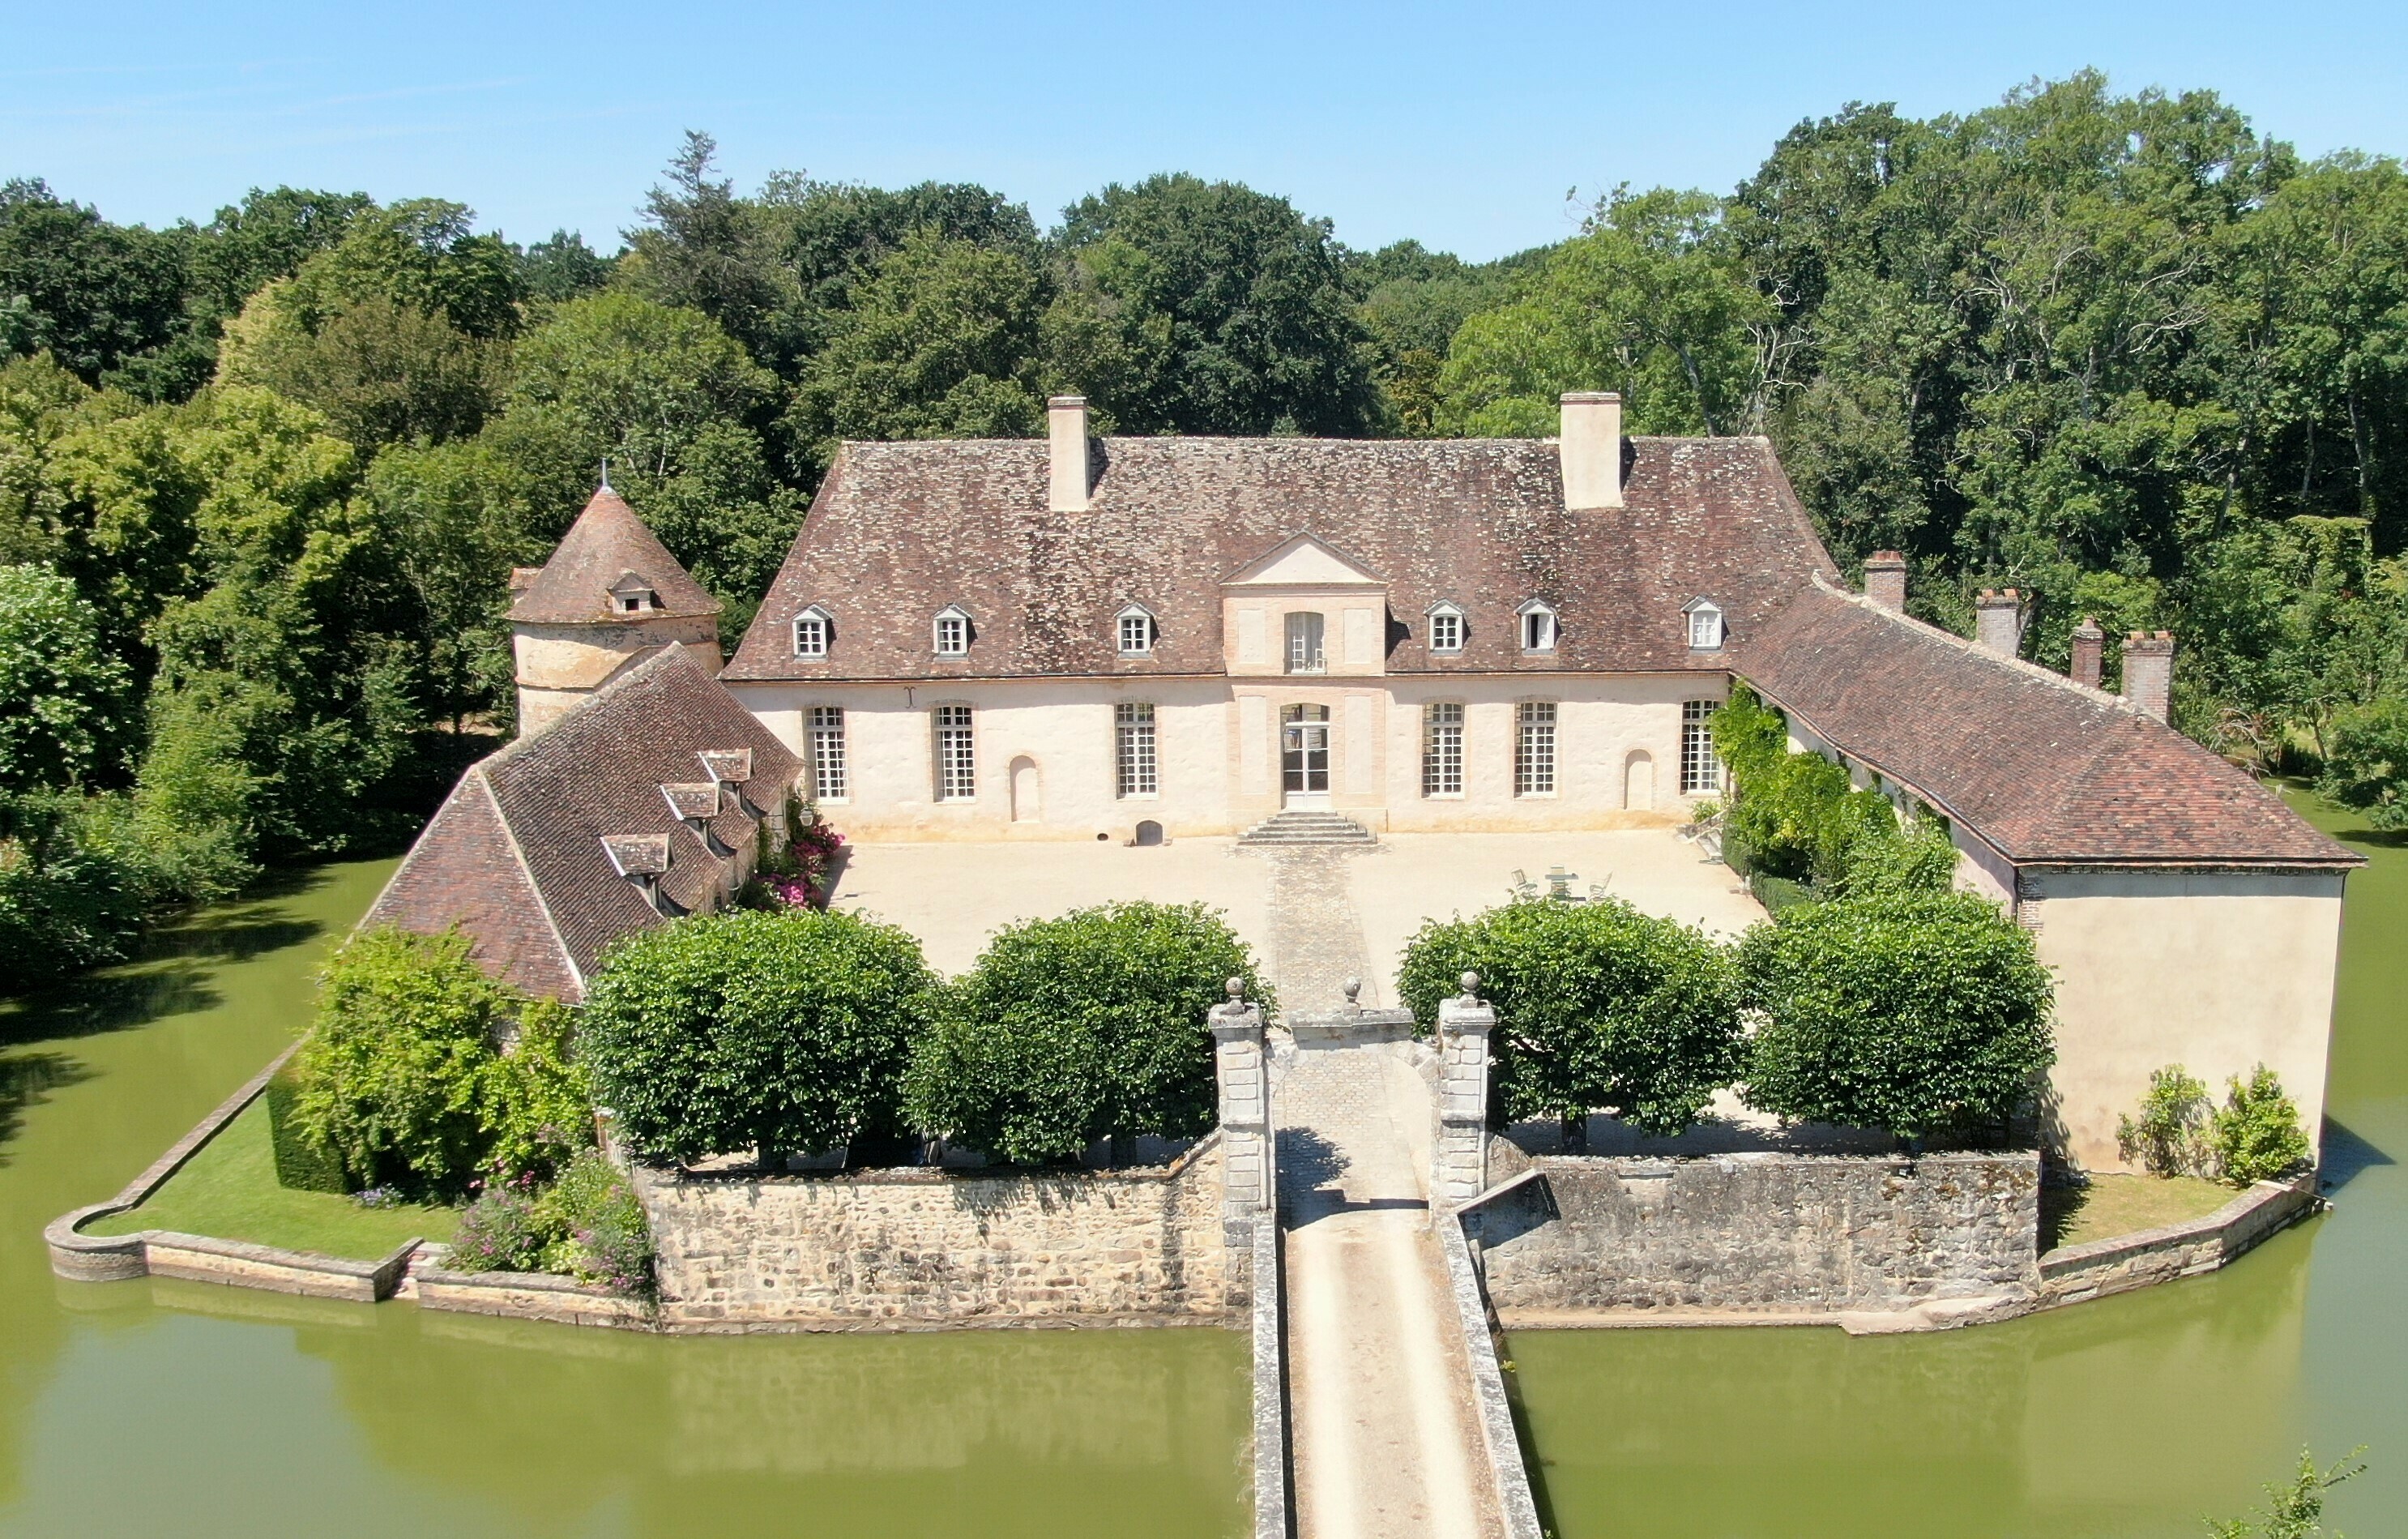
{"x":606,"y":545}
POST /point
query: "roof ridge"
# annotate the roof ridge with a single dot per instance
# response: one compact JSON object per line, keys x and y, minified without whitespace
{"x":526,"y":874}
{"x":1972,"y":648}
{"x":611,"y":687}
{"x":938,"y":445}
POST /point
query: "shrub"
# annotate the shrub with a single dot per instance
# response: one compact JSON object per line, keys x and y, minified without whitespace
{"x":2294,"y":1508}
{"x":2366,"y":762}
{"x":1920,"y":1013}
{"x":534,"y":1104}
{"x":2256,"y":1133}
{"x":585,"y":1224}
{"x":393,"y":1075}
{"x":503,"y":1231}
{"x":779,"y":1031}
{"x":1085,"y":1027}
{"x":70,"y":896}
{"x":2170,"y":1137}
{"x":1599,"y":1006}
{"x":303,"y":1163}
{"x":1891,"y":860}
{"x":1797,"y":817}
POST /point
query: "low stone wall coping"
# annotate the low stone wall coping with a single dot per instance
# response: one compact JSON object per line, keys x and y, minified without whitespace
{"x":531,"y":1296}
{"x":936,"y":1176}
{"x":1499,"y":1439}
{"x":2071,"y":1273}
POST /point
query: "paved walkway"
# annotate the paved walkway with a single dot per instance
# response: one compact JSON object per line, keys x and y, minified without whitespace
{"x":1379,"y":1395}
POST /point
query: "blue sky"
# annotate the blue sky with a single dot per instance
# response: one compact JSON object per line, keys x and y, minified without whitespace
{"x":1460,"y":126}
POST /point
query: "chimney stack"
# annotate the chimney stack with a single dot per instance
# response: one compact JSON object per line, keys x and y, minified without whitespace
{"x":1590,"y":442}
{"x":2149,"y":673}
{"x":1065,"y":432}
{"x":1999,"y":622}
{"x":1886,"y":580}
{"x":2089,"y":648}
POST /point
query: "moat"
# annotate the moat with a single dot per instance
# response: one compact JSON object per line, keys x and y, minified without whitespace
{"x":190,"y":1409}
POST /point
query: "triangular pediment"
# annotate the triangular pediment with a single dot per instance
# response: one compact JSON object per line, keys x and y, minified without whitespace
{"x":1305,"y":561}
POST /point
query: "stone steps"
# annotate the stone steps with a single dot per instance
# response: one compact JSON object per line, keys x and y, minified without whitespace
{"x":1297,"y":826}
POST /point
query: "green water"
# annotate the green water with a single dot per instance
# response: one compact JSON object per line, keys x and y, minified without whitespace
{"x":182,"y":1409}
{"x":2128,"y":1417}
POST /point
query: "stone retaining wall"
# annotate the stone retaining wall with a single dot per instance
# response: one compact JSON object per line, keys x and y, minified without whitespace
{"x":2071,"y":1273}
{"x":527,"y":1296}
{"x":1765,"y":1232}
{"x":917,"y":1247}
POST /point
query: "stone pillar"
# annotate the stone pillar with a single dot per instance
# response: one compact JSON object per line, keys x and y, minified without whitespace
{"x":1459,"y":1154}
{"x":1886,"y":580}
{"x":2089,"y":651}
{"x":2149,"y":673}
{"x":1245,"y":1113}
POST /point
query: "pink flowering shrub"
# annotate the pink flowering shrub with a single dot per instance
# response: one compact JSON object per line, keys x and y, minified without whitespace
{"x":798,"y":874}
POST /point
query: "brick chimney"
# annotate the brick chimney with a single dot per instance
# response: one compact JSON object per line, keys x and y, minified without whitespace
{"x":1590,"y":442}
{"x":1886,"y":580}
{"x":1065,"y":434}
{"x":2149,"y":673}
{"x":2089,"y":648}
{"x":1999,"y":622}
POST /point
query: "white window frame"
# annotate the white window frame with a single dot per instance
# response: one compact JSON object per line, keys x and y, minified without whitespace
{"x":818,"y":620}
{"x":1536,"y":748}
{"x":1540,"y":627}
{"x":1443,"y":749}
{"x":956,"y":619}
{"x":1137,"y":620}
{"x":830,"y":780}
{"x":1701,"y":769}
{"x":1451,"y":614}
{"x":953,"y":751}
{"x":1137,"y":763}
{"x":1303,"y":632}
{"x":1705,"y":624}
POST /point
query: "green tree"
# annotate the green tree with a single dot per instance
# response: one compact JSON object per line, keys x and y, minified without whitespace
{"x":382,"y":371}
{"x":2256,"y":1133}
{"x":61,"y":699}
{"x":1921,"y":1013}
{"x":2366,"y":767}
{"x":1231,"y":312}
{"x":1599,"y":1006}
{"x":783,"y":1032}
{"x":1087,"y":1027}
{"x":105,"y":300}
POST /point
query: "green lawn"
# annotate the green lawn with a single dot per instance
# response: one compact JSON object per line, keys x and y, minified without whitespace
{"x":228,"y":1191}
{"x":2113,"y":1205}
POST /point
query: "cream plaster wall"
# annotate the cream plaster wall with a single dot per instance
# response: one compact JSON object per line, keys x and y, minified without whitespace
{"x":2219,"y":971}
{"x":557,"y":666}
{"x":1217,"y":744}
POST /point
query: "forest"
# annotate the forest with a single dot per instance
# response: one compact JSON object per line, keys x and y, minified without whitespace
{"x":263,"y":478}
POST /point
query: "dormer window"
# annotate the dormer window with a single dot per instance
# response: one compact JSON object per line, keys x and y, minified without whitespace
{"x":812,"y":628}
{"x":953,"y":632}
{"x":1538,"y":625}
{"x":632,"y":594}
{"x":1137,"y":632}
{"x":1705,"y":625}
{"x":1445,"y":627}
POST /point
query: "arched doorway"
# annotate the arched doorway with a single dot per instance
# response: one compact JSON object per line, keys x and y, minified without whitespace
{"x":1304,"y":755}
{"x":1638,"y":781}
{"x":1026,"y":804}
{"x":1149,"y":834}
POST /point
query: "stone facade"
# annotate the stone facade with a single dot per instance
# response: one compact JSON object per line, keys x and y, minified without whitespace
{"x":922,"y":1248}
{"x":1782,"y":1233}
{"x":1459,"y":1150}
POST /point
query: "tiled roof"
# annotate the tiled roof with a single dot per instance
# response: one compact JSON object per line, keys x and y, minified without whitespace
{"x":605,"y":548}
{"x":517,"y":858}
{"x":900,"y":530}
{"x":2046,"y":769}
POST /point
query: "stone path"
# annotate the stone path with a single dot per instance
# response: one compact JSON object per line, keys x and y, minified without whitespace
{"x":1380,"y":1396}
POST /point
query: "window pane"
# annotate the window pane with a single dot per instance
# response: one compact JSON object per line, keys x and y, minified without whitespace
{"x":1700,"y":772}
{"x":1136,"y":633}
{"x":1446,"y":632}
{"x":1443,"y":749}
{"x":810,"y":637}
{"x":956,"y":774}
{"x":1304,"y":654}
{"x":1534,"y":749}
{"x":1133,"y":726}
{"x":827,"y":753}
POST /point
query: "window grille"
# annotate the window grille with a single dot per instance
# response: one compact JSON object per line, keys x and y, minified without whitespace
{"x":1133,"y":725}
{"x":1136,"y":633}
{"x":952,"y":636}
{"x":1445,"y":631}
{"x":827,"y":753}
{"x":957,"y":768}
{"x":1700,"y":772}
{"x":1534,"y":749}
{"x":1304,"y":654}
{"x":1705,"y":628}
{"x":1443,"y":749}
{"x":810,"y":637}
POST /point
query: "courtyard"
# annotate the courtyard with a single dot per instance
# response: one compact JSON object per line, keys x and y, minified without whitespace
{"x":1314,"y":914}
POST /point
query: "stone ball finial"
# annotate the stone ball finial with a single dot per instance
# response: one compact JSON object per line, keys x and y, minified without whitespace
{"x":1236,"y":987}
{"x":1352,"y":988}
{"x":1470,"y":984}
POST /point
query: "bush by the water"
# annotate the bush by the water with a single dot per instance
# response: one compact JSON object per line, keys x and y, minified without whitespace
{"x":2366,"y":762}
{"x":584,"y":1223}
{"x":404,"y":1082}
{"x":782,"y":1032}
{"x":1920,"y":1013}
{"x":1086,"y":1026}
{"x":2256,"y":1133}
{"x":2170,"y":1137}
{"x":1598,"y":1007}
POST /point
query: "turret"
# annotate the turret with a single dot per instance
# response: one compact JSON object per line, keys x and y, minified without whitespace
{"x":610,"y":595}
